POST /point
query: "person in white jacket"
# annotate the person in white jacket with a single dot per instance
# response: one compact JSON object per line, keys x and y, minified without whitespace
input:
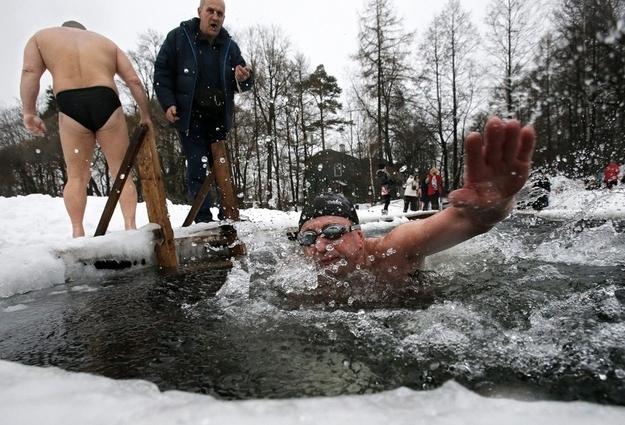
{"x":411,"y":193}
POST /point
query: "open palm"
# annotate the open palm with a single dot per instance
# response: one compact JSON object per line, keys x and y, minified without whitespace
{"x":496,"y":167}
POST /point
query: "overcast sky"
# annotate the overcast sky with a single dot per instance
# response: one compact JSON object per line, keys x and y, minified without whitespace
{"x":326,"y":31}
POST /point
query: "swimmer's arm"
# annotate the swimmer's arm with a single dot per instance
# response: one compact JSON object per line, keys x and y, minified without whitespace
{"x":417,"y":239}
{"x":32,"y":70}
{"x":496,"y":168}
{"x":128,"y":74}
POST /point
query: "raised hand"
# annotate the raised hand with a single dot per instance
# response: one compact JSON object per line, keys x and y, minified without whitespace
{"x":496,"y":168}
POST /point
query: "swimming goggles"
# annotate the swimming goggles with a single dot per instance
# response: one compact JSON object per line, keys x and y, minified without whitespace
{"x":331,"y":232}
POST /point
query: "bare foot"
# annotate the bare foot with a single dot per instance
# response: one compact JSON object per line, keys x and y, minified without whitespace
{"x":78,"y":231}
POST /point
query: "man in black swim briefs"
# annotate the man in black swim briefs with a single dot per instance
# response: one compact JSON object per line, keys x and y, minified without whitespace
{"x":83,"y":65}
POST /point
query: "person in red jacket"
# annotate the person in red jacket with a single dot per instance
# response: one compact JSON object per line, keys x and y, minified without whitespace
{"x":610,"y":174}
{"x":435,"y":187}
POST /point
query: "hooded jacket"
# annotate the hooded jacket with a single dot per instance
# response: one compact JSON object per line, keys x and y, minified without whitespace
{"x":176,"y":72}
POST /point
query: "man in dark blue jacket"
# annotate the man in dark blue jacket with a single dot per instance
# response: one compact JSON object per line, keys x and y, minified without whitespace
{"x":197,"y":72}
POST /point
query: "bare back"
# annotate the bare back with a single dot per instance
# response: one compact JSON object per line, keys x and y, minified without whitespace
{"x":77,"y":58}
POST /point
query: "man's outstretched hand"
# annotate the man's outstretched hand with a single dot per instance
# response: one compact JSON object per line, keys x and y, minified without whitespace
{"x":496,"y":168}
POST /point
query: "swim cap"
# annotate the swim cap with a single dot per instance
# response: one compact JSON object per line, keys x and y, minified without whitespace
{"x":329,"y":204}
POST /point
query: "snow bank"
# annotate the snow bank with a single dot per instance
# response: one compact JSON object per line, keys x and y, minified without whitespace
{"x":32,"y":396}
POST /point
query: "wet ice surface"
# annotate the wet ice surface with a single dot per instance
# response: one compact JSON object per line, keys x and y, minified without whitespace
{"x":532,"y":310}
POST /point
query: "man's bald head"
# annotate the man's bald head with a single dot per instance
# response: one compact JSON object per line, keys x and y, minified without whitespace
{"x":73,"y":24}
{"x":203,"y":2}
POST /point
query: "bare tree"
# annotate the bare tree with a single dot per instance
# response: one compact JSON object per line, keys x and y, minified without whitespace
{"x":461,"y":41}
{"x":382,"y":56}
{"x":269,"y":49}
{"x":511,"y":37}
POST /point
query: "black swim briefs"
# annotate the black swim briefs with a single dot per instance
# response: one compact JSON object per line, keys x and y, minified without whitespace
{"x":91,"y":107}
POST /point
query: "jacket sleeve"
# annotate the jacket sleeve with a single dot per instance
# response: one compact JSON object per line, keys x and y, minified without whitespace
{"x":237,"y":59}
{"x":165,"y":72}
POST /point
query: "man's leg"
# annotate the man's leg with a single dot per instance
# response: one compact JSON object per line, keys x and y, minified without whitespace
{"x":78,"y":144}
{"x":199,"y":159}
{"x":387,"y":202}
{"x":113,"y":140}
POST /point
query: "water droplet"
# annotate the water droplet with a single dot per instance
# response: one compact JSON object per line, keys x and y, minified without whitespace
{"x":320,"y":167}
{"x":76,"y":151}
{"x":38,"y":150}
{"x":403,"y":168}
{"x":204,"y":159}
{"x":122,"y":177}
{"x":222,"y":160}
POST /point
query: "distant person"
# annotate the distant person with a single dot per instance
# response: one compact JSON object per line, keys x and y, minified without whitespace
{"x":610,"y":174}
{"x":411,"y":194}
{"x":384,"y":179}
{"x":435,"y":187}
{"x":497,"y":167}
{"x":423,"y":188}
{"x":198,"y":70}
{"x":83,"y":65}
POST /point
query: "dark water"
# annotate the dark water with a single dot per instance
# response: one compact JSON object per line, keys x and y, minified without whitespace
{"x":533,"y":310}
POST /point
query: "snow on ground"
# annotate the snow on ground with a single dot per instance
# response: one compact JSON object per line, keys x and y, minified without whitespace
{"x":570,"y":200}
{"x":34,"y":234}
{"x":31,"y":395}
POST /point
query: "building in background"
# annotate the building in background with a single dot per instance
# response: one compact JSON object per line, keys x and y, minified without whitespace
{"x":339,"y":172}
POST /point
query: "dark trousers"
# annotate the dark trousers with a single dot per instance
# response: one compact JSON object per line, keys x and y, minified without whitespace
{"x":196,"y":145}
{"x":387,"y":201}
{"x":434,"y":200}
{"x":425,"y":200}
{"x":410,"y":201}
